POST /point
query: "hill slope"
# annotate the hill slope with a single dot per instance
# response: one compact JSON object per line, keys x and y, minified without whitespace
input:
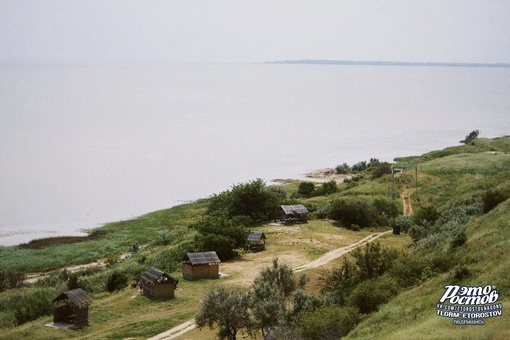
{"x":449,"y":176}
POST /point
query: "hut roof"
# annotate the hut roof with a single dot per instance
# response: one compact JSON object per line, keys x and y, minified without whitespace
{"x":294,"y":209}
{"x":256,"y":236}
{"x":76,"y":296}
{"x":203,"y":258}
{"x":152,"y":275}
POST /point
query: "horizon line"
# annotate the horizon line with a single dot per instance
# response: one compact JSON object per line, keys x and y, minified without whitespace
{"x":387,"y":63}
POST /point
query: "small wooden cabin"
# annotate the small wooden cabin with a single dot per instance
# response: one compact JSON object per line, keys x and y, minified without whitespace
{"x":158,"y":284}
{"x":294,"y":214}
{"x":72,"y":307}
{"x":257,"y":241}
{"x":204,"y":265}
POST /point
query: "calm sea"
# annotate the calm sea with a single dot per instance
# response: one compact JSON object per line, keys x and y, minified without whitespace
{"x":81,"y":145}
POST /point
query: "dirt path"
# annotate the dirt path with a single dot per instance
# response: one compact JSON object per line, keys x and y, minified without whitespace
{"x":329,"y":256}
{"x":406,"y":202}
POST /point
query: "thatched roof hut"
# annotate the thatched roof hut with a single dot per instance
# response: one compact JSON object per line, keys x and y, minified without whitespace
{"x":257,"y":241}
{"x":294,"y":213}
{"x":158,"y":284}
{"x":72,"y":307}
{"x":203,"y":265}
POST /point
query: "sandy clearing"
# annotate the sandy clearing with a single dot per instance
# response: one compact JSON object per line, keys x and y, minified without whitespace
{"x":262,"y":262}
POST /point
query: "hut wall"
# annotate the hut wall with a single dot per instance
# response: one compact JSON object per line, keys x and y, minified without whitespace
{"x":62,"y":313}
{"x":159,"y":290}
{"x":68,"y":314}
{"x":82,"y":317}
{"x":207,"y":271}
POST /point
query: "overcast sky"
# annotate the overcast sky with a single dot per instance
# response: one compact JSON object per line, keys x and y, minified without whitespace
{"x":255,"y":30}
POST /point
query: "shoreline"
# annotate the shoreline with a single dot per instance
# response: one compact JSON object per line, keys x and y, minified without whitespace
{"x":318,"y":176}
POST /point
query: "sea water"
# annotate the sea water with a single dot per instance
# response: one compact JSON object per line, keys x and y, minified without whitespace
{"x":81,"y":145}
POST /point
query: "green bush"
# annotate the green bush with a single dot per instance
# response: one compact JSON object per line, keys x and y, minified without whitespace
{"x":350,"y":211}
{"x":403,"y":222}
{"x":363,"y":212}
{"x":332,"y":322}
{"x":373,"y":260}
{"x":221,"y":234}
{"x":342,"y":169}
{"x":164,"y":260}
{"x":31,"y":306}
{"x":116,"y":281}
{"x":253,"y":199}
{"x":370,"y":294}
{"x":306,"y":189}
{"x":327,"y":188}
{"x":428,"y":215}
{"x":381,"y":170}
{"x":408,"y":269}
{"x":491,"y":198}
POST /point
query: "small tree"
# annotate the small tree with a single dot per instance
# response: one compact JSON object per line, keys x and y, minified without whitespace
{"x":253,"y":200}
{"x":342,"y":169}
{"x":306,"y":189}
{"x":381,"y":169}
{"x":226,"y":308}
{"x":271,"y":291}
{"x":116,"y":281}
{"x":471,"y":137}
{"x":370,"y":294}
{"x":373,"y":260}
{"x":221,"y":234}
{"x":328,"y":188}
{"x":267,"y":306}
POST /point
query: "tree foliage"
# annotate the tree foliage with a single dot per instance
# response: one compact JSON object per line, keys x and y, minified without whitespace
{"x":220,"y":234}
{"x":306,"y":189}
{"x":363,"y":212}
{"x":253,"y":200}
{"x":226,"y":308}
{"x":471,"y":137}
{"x":328,"y":323}
{"x":370,"y":294}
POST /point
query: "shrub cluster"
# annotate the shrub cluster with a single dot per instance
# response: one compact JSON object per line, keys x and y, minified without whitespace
{"x":363,"y":212}
{"x":310,"y":189}
{"x":26,"y":306}
{"x":10,"y":279}
{"x":433,"y":227}
{"x":253,"y":200}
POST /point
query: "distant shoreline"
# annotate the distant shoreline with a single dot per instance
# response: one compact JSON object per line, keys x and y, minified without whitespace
{"x":387,"y":63}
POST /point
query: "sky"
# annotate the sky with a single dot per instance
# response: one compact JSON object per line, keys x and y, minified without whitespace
{"x":255,"y":30}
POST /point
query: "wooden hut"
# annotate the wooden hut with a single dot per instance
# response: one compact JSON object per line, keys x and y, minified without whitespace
{"x":257,"y":241}
{"x":72,"y":307}
{"x":204,"y":265}
{"x":294,"y":214}
{"x":158,"y":284}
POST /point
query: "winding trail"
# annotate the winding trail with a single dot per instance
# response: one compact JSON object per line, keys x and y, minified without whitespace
{"x":329,"y":256}
{"x":406,"y":203}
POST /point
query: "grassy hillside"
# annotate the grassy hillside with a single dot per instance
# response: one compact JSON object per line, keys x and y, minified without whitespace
{"x":447,"y":176}
{"x":455,"y":182}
